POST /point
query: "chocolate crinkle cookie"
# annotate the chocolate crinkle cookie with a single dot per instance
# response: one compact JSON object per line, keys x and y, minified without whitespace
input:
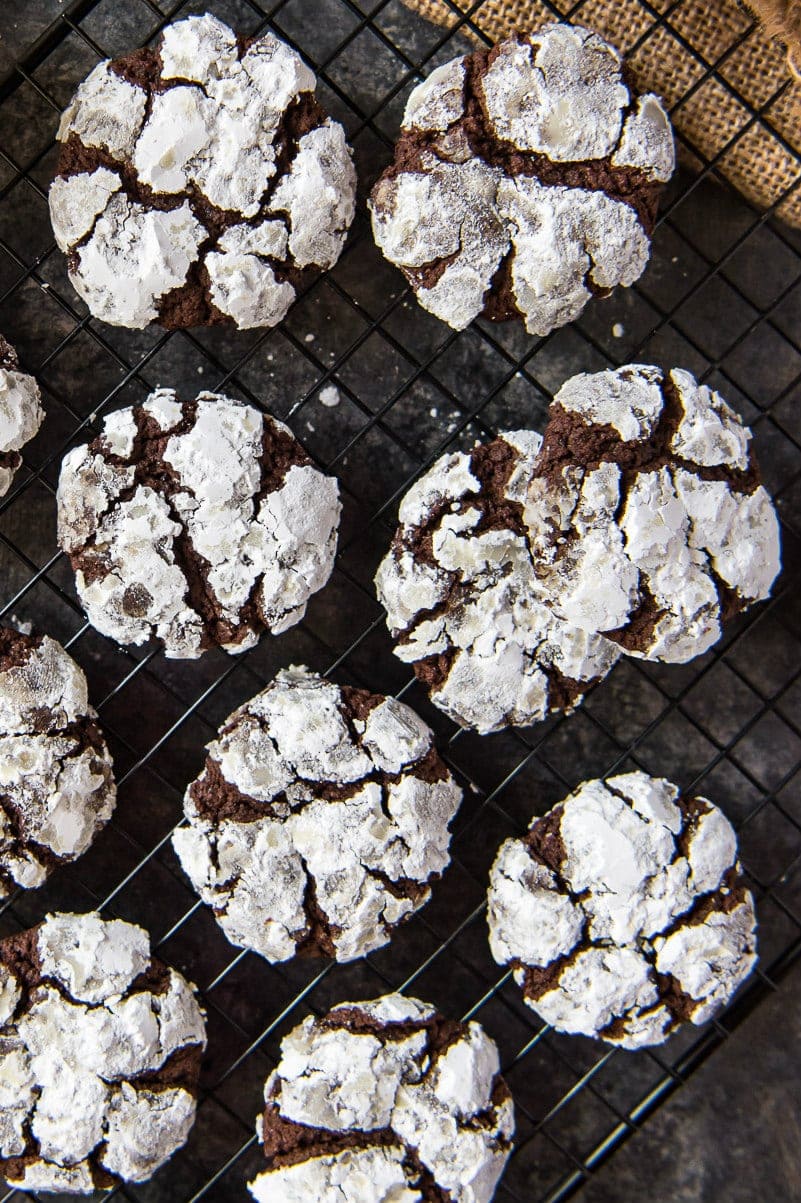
{"x":525,"y":180}
{"x":202,"y":523}
{"x":56,"y":778}
{"x":385,"y":1100}
{"x":622,"y":912}
{"x":647,"y":519}
{"x":21,"y":413}
{"x":200,"y":181}
{"x":320,"y":820}
{"x":100,"y":1048}
{"x":463,"y":600}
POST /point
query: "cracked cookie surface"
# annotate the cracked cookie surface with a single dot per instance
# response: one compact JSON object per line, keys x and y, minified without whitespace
{"x":56,"y":777}
{"x":525,"y":180}
{"x":200,"y":182}
{"x":320,"y":820}
{"x":202,"y":523}
{"x":623,"y":913}
{"x":646,"y":514}
{"x":21,"y":413}
{"x":463,"y":602}
{"x":385,"y":1101}
{"x":100,"y":1048}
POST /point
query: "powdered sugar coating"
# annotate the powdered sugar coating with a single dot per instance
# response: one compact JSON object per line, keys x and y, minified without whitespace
{"x":463,"y":601}
{"x":207,"y":134}
{"x":200,"y":523}
{"x":622,"y":912}
{"x":56,"y":778}
{"x":558,"y":92}
{"x":430,"y":1087}
{"x":21,"y":413}
{"x":646,"y":514}
{"x":534,"y":158}
{"x":99,"y":1056}
{"x":320,"y":820}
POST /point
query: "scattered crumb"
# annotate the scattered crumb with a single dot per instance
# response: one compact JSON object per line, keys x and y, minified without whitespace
{"x":329,"y":396}
{"x":309,"y":338}
{"x":24,"y":628}
{"x":200,"y":371}
{"x":433,"y":413}
{"x":618,"y":330}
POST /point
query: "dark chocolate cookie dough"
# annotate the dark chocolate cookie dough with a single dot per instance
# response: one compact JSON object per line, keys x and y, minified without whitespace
{"x":202,"y":523}
{"x":622,"y":912}
{"x":388,"y":1099}
{"x":646,"y":515}
{"x":21,"y":413}
{"x":320,"y":820}
{"x":56,"y":780}
{"x":525,"y":180}
{"x":100,"y":1048}
{"x":199,"y":181}
{"x":463,"y":600}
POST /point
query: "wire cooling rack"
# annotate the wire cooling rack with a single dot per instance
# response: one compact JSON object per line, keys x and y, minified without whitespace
{"x":722,"y":297}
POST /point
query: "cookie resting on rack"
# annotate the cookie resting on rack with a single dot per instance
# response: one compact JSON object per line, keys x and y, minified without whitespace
{"x":525,"y":181}
{"x":385,"y":1100}
{"x":21,"y":413}
{"x":647,"y":519}
{"x":199,"y":181}
{"x":202,"y":523}
{"x":56,"y":777}
{"x":100,"y":1048}
{"x":320,"y":820}
{"x":622,"y":912}
{"x":463,"y":601}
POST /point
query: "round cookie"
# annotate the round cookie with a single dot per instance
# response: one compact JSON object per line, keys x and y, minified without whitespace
{"x":200,"y":182}
{"x":646,"y":514}
{"x":21,"y":413}
{"x":525,"y":181}
{"x":202,"y":523}
{"x":56,"y":778}
{"x":622,"y":912}
{"x":462,"y":598}
{"x":385,"y":1100}
{"x":100,"y":1048}
{"x":319,"y":821}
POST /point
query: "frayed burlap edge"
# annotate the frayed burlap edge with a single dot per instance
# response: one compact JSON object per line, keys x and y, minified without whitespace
{"x":714,"y":65}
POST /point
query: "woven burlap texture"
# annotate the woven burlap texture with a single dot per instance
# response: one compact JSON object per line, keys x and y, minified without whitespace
{"x":733,"y":102}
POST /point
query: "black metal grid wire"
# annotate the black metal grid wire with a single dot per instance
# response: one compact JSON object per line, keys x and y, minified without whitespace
{"x":722,"y":297}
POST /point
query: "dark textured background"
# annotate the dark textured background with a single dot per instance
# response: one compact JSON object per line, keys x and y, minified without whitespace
{"x":721,"y":297}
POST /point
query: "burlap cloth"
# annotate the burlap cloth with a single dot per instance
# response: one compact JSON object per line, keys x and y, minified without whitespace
{"x":714,"y":65}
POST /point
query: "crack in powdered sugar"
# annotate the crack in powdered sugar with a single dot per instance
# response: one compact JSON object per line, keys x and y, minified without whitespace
{"x":525,"y":180}
{"x":100,"y":1051}
{"x":320,"y":820}
{"x":200,"y":182}
{"x":622,"y":912}
{"x":385,"y":1100}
